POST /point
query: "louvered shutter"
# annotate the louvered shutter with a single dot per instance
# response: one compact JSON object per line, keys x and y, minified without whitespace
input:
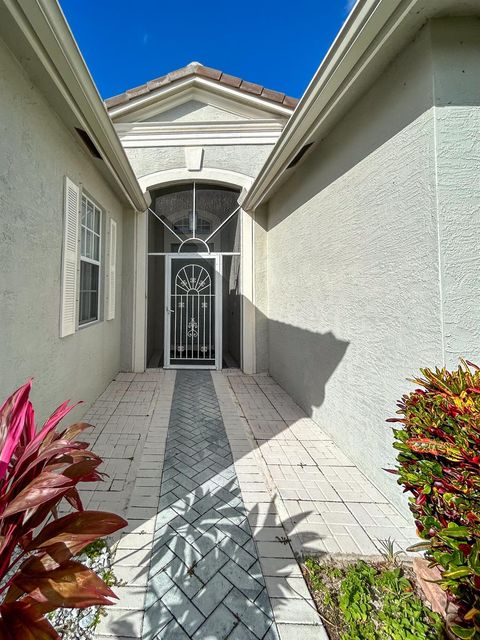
{"x":70,"y":259}
{"x":112,"y":269}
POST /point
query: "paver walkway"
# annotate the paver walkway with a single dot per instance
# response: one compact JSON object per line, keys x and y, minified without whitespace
{"x":223,"y":480}
{"x":205,"y":580}
{"x":328,"y":506}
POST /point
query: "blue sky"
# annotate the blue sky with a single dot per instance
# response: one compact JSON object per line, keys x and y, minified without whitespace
{"x":271,"y":42}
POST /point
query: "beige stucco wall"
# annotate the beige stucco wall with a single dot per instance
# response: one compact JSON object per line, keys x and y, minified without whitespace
{"x":37,"y":151}
{"x":244,"y":159}
{"x":373,"y":247}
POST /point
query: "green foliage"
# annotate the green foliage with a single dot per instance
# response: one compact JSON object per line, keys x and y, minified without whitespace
{"x":439,"y":464}
{"x":95,"y":549}
{"x":376,"y":602}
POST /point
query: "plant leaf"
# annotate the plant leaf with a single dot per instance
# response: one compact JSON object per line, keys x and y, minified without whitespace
{"x":42,"y":489}
{"x":12,"y":422}
{"x":70,"y":586}
{"x":25,"y":620}
{"x":78,"y":528}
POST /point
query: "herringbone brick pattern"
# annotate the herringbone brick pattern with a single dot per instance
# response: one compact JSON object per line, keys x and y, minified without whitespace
{"x":205,"y":580}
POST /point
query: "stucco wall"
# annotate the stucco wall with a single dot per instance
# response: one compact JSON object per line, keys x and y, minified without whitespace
{"x":457,"y":138}
{"x":245,"y":159}
{"x":354,"y":240}
{"x":260,"y":235}
{"x":194,"y":111}
{"x":37,"y":152}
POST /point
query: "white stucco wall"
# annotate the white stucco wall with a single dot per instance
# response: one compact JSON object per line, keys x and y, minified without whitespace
{"x":194,"y":111}
{"x":457,"y":139}
{"x":245,"y":159}
{"x":356,"y":238}
{"x":37,"y":151}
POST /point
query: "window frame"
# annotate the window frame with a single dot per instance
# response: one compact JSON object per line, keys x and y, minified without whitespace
{"x":98,"y":263}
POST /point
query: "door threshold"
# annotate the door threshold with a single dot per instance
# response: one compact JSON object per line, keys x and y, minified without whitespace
{"x":192,"y":366}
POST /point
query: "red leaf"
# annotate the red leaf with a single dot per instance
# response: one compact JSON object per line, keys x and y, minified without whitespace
{"x":71,"y":432}
{"x":12,"y":422}
{"x":73,"y":498}
{"x":82,"y":469}
{"x":24,"y":620}
{"x":42,"y":489}
{"x":70,"y":586}
{"x":78,"y":528}
{"x":49,"y":425}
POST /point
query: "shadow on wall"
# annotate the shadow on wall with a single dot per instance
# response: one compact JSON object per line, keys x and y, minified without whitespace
{"x":324,"y":349}
{"x":303,"y":362}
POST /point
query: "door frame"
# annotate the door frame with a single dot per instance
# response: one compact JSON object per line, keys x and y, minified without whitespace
{"x":218,"y":311}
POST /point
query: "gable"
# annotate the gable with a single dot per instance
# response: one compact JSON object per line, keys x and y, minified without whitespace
{"x":194,"y":111}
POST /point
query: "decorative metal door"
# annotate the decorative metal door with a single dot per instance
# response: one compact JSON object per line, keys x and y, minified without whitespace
{"x":193,"y":302}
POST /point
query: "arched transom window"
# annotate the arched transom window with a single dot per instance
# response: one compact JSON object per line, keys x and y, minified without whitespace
{"x":196,"y":214}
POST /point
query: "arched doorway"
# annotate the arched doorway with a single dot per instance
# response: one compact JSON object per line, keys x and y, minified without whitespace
{"x":194,"y":302}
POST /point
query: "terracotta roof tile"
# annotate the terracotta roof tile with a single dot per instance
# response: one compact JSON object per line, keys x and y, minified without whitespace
{"x":232,"y":81}
{"x":116,"y":100}
{"x":251,"y":87}
{"x":275,"y":96}
{"x":197,"y":69}
{"x":157,"y":82}
{"x":290,"y":102}
{"x":137,"y":91}
{"x":214,"y":74}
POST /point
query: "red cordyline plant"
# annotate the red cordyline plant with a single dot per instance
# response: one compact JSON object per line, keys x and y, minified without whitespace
{"x":439,"y":464}
{"x":38,"y":570}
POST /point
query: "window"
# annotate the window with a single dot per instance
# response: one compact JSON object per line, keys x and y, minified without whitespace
{"x":90,"y":264}
{"x":185,"y":226}
{"x":194,"y":215}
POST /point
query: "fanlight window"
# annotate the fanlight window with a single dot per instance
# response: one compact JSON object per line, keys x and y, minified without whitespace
{"x":195,"y":213}
{"x":185,"y":226}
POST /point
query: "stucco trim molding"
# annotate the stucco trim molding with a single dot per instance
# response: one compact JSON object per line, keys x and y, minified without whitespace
{"x":154,"y":134}
{"x":207,"y":174}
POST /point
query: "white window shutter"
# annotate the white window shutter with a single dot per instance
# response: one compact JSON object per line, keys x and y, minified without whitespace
{"x":112,"y":269}
{"x":70,"y":259}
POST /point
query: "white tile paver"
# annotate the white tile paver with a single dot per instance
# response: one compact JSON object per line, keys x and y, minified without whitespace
{"x":302,"y":496}
{"x":326,"y":503}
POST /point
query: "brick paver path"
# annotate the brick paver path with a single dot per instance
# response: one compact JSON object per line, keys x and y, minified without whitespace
{"x":204,"y":580}
{"x":223,"y":480}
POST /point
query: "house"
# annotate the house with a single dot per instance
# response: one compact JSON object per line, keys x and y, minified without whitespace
{"x":204,"y":221}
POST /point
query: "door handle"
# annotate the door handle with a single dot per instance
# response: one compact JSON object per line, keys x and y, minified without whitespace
{"x":169,"y":310}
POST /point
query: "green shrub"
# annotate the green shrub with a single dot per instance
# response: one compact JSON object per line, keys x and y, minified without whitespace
{"x":439,"y":464}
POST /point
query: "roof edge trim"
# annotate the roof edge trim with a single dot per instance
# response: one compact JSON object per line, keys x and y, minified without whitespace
{"x":44,"y":25}
{"x":368,"y":28}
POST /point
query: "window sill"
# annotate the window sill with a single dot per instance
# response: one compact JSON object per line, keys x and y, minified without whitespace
{"x":89,"y":324}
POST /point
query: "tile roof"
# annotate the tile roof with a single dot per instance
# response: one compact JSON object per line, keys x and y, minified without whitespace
{"x":198,"y":69}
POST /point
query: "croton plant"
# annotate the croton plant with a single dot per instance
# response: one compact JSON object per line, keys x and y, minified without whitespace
{"x":38,"y":571}
{"x":439,"y":464}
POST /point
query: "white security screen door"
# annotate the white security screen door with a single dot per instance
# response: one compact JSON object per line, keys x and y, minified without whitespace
{"x":193,"y":304}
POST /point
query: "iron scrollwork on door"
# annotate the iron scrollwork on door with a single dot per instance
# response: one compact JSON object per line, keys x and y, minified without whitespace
{"x":193,"y":315}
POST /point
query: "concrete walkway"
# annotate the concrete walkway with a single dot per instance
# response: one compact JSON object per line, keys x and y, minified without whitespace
{"x":224,"y":480}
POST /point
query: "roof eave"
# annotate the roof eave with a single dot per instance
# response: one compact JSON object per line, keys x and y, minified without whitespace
{"x":372,"y":35}
{"x":37,"y":31}
{"x":190,"y":82}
